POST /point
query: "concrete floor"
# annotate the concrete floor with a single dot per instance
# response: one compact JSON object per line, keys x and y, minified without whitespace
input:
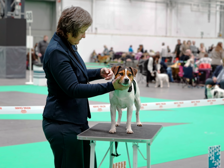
{"x":13,"y":132}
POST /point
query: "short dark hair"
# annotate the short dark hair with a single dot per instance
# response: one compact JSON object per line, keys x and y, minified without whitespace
{"x":72,"y":20}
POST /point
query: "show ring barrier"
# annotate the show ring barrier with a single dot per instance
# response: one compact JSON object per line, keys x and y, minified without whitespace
{"x":106,"y":107}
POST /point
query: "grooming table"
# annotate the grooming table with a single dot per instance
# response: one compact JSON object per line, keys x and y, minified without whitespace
{"x":100,"y":132}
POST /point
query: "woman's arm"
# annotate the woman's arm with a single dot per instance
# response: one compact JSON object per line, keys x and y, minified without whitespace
{"x":94,"y":74}
{"x":61,"y":70}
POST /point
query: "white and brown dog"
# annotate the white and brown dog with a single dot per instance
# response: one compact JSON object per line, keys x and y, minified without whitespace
{"x":214,"y":92}
{"x":120,"y":99}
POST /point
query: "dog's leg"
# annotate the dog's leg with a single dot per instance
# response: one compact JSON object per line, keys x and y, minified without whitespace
{"x":113,"y":118}
{"x":138,"y":107}
{"x":156,"y":83}
{"x":119,"y":117}
{"x":161,"y":83}
{"x":167,"y":80}
{"x":129,"y":116}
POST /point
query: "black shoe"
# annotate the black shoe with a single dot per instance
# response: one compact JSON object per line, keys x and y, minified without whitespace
{"x":147,"y":85}
{"x":158,"y":85}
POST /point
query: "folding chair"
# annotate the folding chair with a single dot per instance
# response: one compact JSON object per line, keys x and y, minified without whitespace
{"x":188,"y":74}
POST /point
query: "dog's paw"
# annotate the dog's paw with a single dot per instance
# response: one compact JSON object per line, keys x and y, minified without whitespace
{"x":156,"y":86}
{"x":168,"y":86}
{"x":161,"y":86}
{"x":112,"y":131}
{"x":139,"y":124}
{"x":129,"y":131}
{"x":117,"y":124}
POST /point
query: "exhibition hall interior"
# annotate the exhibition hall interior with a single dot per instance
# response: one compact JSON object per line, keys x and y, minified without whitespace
{"x":111,"y":83}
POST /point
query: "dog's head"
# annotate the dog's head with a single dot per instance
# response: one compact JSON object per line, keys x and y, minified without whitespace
{"x":211,"y":87}
{"x":127,"y":74}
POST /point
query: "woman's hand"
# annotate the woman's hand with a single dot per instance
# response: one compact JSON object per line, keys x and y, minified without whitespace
{"x":106,"y":73}
{"x":117,"y":85}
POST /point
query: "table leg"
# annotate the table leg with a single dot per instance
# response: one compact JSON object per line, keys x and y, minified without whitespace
{"x":135,"y":155}
{"x":148,"y":155}
{"x":128,"y":154}
{"x":111,"y":157}
{"x":92,"y":154}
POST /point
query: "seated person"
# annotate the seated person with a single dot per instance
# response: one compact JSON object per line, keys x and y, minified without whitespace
{"x":204,"y":60}
{"x":217,"y":78}
{"x":138,"y":54}
{"x":184,"y":58}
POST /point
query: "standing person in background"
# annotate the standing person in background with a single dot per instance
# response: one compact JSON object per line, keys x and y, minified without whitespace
{"x":216,"y":56}
{"x":138,"y":54}
{"x":183,"y":48}
{"x":105,"y":51}
{"x":177,"y":50}
{"x":202,"y":50}
{"x":164,"y":52}
{"x":211,"y":48}
{"x":141,"y":48}
{"x":194,"y":49}
{"x":168,"y":49}
{"x":111,"y":52}
{"x":130,"y":50}
{"x":152,"y":64}
{"x":42,"y":46}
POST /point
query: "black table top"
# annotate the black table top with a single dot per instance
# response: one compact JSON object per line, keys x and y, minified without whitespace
{"x":100,"y":132}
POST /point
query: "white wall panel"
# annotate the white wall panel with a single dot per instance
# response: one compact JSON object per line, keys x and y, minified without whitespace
{"x":85,"y":4}
{"x":125,"y":17}
{"x":149,"y":18}
{"x":191,"y":24}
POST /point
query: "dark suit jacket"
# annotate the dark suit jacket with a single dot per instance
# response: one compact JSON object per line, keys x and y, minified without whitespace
{"x":67,"y":84}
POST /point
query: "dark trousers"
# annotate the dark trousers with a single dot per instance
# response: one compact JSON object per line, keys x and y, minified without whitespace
{"x":213,"y":68}
{"x":149,"y":77}
{"x":209,"y":81}
{"x":69,"y":152}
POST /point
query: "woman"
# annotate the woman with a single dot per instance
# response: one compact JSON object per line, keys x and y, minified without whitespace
{"x":184,"y":47}
{"x":216,"y":56}
{"x":105,"y":51}
{"x":67,"y":107}
{"x":138,"y":55}
{"x":152,"y":65}
{"x":93,"y":57}
{"x":202,"y":50}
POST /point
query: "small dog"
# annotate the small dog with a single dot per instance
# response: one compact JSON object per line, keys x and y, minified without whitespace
{"x":103,"y":59}
{"x":125,"y":98}
{"x":160,"y":78}
{"x":214,"y":92}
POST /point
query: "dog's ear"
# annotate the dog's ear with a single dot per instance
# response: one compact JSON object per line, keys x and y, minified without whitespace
{"x":209,"y":86}
{"x":134,"y":71}
{"x":115,"y":69}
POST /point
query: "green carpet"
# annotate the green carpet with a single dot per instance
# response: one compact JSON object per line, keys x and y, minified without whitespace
{"x":203,"y":128}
